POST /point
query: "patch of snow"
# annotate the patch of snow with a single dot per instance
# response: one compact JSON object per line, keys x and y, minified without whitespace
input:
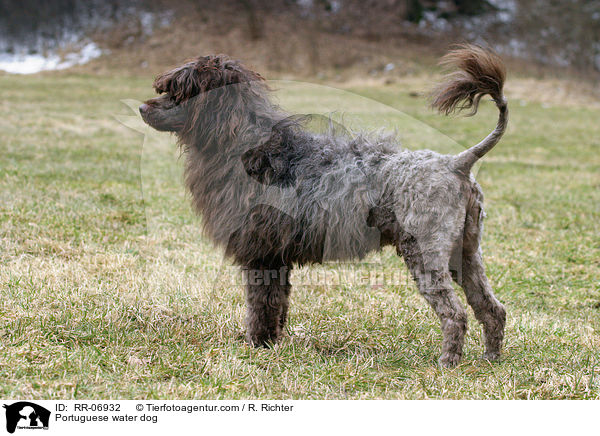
{"x":19,"y":63}
{"x":504,"y":16}
{"x":336,"y":6}
{"x":147,"y":22}
{"x":150,"y":20}
{"x":29,"y":63}
{"x":166,"y":18}
{"x":305,"y":3}
{"x":505,"y":5}
{"x":87,"y":53}
{"x":433,"y":21}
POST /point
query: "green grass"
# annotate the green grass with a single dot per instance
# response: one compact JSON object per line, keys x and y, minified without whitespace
{"x":109,"y":292}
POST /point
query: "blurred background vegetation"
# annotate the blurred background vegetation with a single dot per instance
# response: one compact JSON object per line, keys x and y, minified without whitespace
{"x":307,"y":37}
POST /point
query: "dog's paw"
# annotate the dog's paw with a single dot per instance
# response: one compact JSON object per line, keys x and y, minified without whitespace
{"x":448,"y":360}
{"x":491,"y":355}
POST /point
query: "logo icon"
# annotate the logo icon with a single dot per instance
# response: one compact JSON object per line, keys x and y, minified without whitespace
{"x":26,"y":415}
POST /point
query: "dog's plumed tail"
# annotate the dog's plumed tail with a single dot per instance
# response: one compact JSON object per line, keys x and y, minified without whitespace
{"x":480,"y":72}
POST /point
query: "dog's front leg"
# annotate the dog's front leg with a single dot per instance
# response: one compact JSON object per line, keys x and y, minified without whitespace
{"x":267,"y":292}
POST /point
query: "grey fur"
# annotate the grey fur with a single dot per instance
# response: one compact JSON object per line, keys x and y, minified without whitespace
{"x":275,"y":195}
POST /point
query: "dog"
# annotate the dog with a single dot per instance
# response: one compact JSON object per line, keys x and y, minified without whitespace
{"x":275,"y":195}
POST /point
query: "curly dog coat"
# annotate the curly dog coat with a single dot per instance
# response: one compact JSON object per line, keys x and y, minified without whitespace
{"x":275,"y":195}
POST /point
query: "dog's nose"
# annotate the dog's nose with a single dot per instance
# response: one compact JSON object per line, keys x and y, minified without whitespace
{"x":143,"y":108}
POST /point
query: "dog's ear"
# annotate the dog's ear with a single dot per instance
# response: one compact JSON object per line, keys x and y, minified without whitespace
{"x":232,"y":74}
{"x":220,"y":70}
{"x":256,"y":163}
{"x":181,"y":83}
{"x":271,"y":162}
{"x":260,"y":162}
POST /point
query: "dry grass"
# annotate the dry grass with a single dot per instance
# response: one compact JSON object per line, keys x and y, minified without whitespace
{"x":109,"y":291}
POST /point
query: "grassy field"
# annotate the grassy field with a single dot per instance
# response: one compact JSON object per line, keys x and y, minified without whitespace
{"x":108,"y":291}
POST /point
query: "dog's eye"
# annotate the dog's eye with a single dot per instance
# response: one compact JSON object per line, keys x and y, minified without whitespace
{"x":172,"y":99}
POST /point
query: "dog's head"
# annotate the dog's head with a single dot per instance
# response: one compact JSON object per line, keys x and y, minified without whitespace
{"x":186,"y":90}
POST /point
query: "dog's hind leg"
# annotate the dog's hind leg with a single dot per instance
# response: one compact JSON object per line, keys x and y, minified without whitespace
{"x":431,"y":272}
{"x":488,"y":310}
{"x":472,"y":278}
{"x":267,"y":292}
